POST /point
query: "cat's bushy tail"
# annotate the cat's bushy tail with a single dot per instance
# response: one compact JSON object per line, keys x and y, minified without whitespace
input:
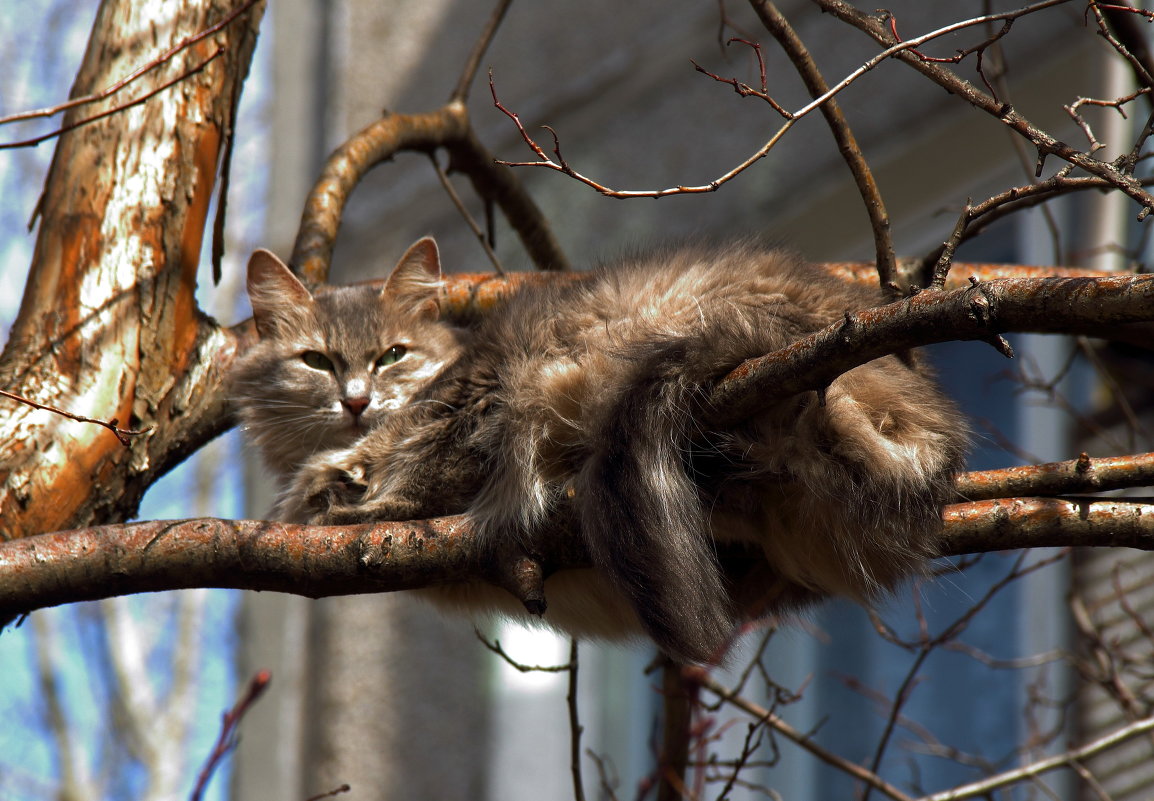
{"x":641,"y":514}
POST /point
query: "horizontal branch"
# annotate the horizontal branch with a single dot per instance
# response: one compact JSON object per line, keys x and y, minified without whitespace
{"x":1059,"y":478}
{"x":1009,"y":523}
{"x":317,"y":561}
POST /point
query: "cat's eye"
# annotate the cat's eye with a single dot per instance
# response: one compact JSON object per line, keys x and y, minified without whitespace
{"x":317,"y":361}
{"x":392,"y":355}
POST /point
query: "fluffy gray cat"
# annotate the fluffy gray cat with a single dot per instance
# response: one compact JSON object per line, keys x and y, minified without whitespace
{"x":583,"y":401}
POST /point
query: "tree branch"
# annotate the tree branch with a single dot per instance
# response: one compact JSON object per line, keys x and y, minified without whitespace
{"x":317,"y":561}
{"x":987,"y":786}
{"x":448,"y":127}
{"x":847,"y":145}
{"x":986,"y":309}
{"x":875,"y":27}
{"x":1059,"y":478}
{"x":1011,"y":523}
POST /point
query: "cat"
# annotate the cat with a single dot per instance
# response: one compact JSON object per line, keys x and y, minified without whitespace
{"x":329,"y":365}
{"x":583,"y":402}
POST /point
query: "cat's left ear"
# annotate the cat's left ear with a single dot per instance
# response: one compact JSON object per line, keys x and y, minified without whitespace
{"x":415,"y":282}
{"x":277,"y":296}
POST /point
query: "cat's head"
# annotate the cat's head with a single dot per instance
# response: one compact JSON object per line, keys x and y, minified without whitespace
{"x":330,"y":364}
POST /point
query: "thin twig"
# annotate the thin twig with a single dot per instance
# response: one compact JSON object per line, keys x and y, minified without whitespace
{"x":987,"y":786}
{"x":495,"y":647}
{"x":461,"y":92}
{"x":776,"y":23}
{"x":227,"y":738}
{"x":451,"y":191}
{"x":134,"y":75}
{"x":575,"y":727}
{"x":1129,"y":186}
{"x":949,"y":247}
{"x":1046,"y":144}
{"x":122,"y":434}
{"x":786,"y":730}
{"x":117,"y":109}
{"x":1138,"y":65}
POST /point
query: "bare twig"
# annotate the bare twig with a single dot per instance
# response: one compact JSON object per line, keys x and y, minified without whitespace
{"x":135,"y":74}
{"x":447,"y":185}
{"x":877,"y":28}
{"x":219,"y":51}
{"x":847,"y":145}
{"x":801,"y":738}
{"x":986,"y":786}
{"x":742,"y":88}
{"x":1074,"y":111}
{"x":122,"y":434}
{"x":575,"y":727}
{"x":1118,"y":18}
{"x":949,"y":247}
{"x":226,"y":740}
{"x":496,"y":647}
{"x":461,"y":91}
{"x":927,"y":644}
{"x":894,"y":48}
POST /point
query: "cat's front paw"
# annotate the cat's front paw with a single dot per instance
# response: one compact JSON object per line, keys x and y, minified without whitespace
{"x":323,"y":486}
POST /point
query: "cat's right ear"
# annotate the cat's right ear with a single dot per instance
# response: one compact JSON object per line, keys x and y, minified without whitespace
{"x":415,"y":282}
{"x":275,"y":293}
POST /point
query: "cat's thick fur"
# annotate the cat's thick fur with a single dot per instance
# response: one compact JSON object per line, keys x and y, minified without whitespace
{"x":585,"y":399}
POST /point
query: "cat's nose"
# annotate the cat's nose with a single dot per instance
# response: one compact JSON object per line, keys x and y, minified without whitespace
{"x":356,"y":405}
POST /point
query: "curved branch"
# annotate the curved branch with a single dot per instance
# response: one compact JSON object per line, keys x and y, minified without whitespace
{"x":982,"y":311}
{"x":447,"y":127}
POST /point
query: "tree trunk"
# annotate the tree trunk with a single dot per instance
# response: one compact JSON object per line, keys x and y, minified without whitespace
{"x":109,"y":326}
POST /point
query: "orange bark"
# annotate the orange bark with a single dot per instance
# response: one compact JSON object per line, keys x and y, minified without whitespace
{"x":108,"y":326}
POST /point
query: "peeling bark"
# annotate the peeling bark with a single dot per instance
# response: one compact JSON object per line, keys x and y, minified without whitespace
{"x":108,"y":326}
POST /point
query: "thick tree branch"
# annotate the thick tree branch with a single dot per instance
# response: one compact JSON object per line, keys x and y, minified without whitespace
{"x":316,"y":561}
{"x":984,"y":310}
{"x":1009,"y":523}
